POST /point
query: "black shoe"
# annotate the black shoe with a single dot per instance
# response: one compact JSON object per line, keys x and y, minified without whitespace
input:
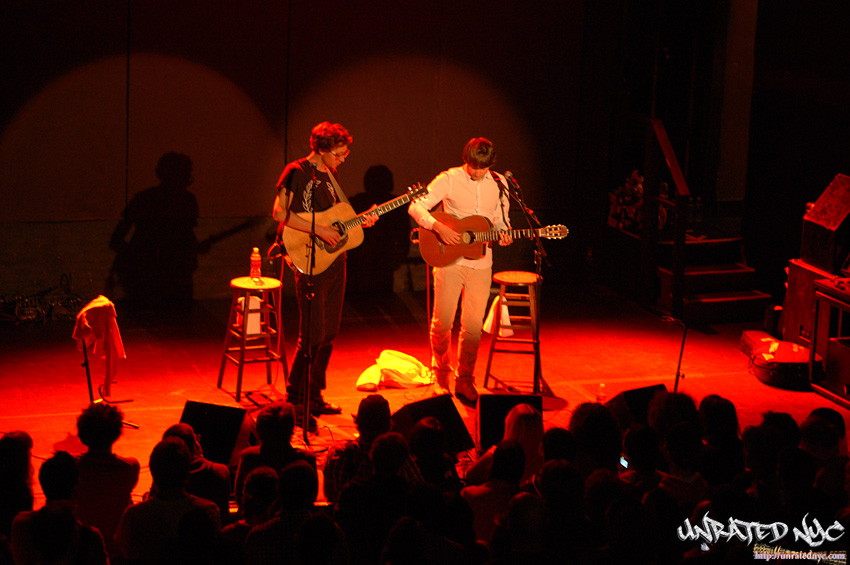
{"x":321,"y":406}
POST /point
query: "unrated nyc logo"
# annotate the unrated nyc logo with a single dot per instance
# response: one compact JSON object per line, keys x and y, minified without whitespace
{"x":713,"y":531}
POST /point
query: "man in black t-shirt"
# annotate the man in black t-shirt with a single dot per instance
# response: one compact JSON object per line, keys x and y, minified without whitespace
{"x":309,"y":185}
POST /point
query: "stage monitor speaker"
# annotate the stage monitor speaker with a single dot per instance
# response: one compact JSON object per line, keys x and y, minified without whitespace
{"x":631,"y":406}
{"x":441,"y":407}
{"x":826,"y":233}
{"x":225,"y":430}
{"x":797,"y":307}
{"x":492,"y":411}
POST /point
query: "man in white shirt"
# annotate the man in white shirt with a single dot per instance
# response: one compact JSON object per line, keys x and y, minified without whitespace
{"x":469,"y":190}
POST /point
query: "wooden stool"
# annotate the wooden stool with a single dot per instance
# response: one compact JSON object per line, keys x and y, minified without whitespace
{"x":530,"y":299}
{"x":254,"y":321}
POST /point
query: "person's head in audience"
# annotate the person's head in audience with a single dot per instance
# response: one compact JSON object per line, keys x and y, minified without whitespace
{"x":16,"y":459}
{"x":169,"y":465}
{"x":427,"y":439}
{"x":275,"y":424}
{"x":187,"y":434}
{"x":666,"y":409}
{"x":508,"y":462}
{"x":559,"y":443}
{"x":58,"y":476}
{"x":821,"y":438}
{"x":785,"y":423}
{"x":259,"y":494}
{"x":641,"y":448}
{"x":719,"y":420}
{"x":100,"y":425}
{"x":835,"y":419}
{"x":54,"y":526}
{"x":297,"y":487}
{"x":373,"y":418}
{"x":524,"y":424}
{"x":762,"y":445}
{"x":562,"y":487}
{"x":388,"y":453}
{"x":597,"y":436}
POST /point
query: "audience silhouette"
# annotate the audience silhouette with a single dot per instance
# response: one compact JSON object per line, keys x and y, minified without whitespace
{"x":107,"y":480}
{"x":52,"y":534}
{"x":407,"y":503}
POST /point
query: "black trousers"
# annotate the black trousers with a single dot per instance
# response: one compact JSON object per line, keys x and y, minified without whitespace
{"x":319,"y":323}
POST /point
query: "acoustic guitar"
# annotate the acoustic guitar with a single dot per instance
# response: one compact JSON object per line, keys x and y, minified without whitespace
{"x":340,"y":216}
{"x":475,"y":232}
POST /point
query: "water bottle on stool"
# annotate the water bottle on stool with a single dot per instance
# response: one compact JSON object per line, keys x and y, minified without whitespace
{"x":256,"y":266}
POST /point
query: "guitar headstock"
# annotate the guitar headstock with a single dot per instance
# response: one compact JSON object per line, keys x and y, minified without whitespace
{"x":415,"y":191}
{"x":559,"y":231}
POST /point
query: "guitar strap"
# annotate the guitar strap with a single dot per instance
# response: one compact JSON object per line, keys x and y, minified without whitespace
{"x":339,"y":192}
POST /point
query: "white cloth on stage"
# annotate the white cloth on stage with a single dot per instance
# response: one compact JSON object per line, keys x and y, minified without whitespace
{"x":97,"y":330}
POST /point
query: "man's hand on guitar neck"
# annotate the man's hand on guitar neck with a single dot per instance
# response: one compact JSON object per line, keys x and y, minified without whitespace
{"x":446,"y":234}
{"x":369,"y":219}
{"x":505,"y":238}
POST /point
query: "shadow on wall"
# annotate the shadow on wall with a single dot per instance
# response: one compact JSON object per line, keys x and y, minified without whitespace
{"x":371,"y":266}
{"x":156,"y":251}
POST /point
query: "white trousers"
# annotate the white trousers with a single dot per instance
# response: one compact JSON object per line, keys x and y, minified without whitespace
{"x":473,"y":287}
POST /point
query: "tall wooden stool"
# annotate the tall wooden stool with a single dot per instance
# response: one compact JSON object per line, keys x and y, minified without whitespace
{"x":526,"y":295}
{"x":254,"y":321}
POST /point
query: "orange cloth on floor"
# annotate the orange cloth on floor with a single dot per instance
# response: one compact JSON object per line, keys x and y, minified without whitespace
{"x":97,"y":328}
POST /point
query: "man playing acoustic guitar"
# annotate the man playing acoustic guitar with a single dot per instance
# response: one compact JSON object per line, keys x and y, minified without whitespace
{"x":471,"y":189}
{"x":309,"y":185}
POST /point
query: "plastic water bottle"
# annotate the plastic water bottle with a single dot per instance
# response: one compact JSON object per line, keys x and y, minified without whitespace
{"x":600,"y":394}
{"x":256,"y":265}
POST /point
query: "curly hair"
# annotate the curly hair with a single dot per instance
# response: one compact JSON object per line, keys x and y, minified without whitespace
{"x":325,"y":136}
{"x":100,"y":425}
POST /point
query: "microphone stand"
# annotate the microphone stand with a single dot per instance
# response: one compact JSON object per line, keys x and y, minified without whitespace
{"x":308,"y":318}
{"x":518,"y":197}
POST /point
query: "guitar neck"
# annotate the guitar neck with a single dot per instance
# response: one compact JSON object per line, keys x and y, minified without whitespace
{"x":382,"y":209}
{"x":494,"y":235}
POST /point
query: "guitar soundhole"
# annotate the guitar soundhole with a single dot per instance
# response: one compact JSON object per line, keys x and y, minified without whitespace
{"x":467,"y":238}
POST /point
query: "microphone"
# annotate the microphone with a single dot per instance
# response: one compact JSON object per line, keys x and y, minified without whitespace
{"x":513,"y":183}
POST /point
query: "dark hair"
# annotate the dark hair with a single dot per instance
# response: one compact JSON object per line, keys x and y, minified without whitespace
{"x":175,"y":169}
{"x":373,"y":417}
{"x":325,"y":136}
{"x":388,"y":454}
{"x":479,"y":153}
{"x":59,"y":476}
{"x":100,"y":425}
{"x":259,"y":491}
{"x":559,"y":443}
{"x":832,"y":416}
{"x":16,"y":459}
{"x":427,"y":439}
{"x":719,"y":419}
{"x":298,"y":486}
{"x":184,"y":432}
{"x":169,"y":463}
{"x":276,"y":422}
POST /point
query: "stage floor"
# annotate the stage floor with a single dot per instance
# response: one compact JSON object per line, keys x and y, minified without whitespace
{"x":588,"y":336}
